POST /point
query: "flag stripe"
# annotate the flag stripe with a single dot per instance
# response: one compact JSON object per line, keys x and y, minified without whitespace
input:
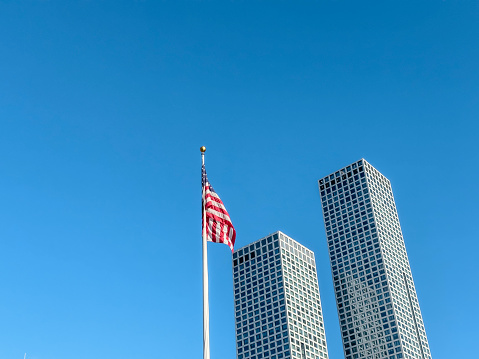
{"x":219,"y":228}
{"x":218,"y":206}
{"x":211,"y":213}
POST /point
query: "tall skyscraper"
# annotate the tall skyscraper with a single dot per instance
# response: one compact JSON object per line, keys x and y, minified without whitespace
{"x":376,"y":299}
{"x":277,"y":304}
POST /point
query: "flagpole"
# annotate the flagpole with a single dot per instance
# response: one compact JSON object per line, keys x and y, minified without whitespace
{"x":206,"y":310}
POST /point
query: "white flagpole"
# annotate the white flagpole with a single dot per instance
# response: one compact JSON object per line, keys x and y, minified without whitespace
{"x":206,"y":309}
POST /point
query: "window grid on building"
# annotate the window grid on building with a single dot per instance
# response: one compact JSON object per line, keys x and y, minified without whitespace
{"x":277,"y":305}
{"x":376,"y":300}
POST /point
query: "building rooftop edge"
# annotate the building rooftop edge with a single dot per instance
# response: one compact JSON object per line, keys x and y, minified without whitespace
{"x":342,"y":168}
{"x":269,"y":235}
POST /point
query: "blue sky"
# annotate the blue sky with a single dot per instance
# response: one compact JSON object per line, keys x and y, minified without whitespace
{"x":103,"y":108}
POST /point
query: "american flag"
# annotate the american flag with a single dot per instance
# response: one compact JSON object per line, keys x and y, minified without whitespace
{"x":219,"y":228}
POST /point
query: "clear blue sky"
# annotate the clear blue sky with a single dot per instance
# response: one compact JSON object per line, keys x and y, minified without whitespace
{"x":103,"y":108}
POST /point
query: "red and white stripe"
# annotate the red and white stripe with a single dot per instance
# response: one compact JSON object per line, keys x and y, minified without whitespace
{"x":219,"y":228}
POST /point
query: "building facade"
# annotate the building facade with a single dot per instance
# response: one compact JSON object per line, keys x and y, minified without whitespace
{"x":376,"y":299}
{"x":277,"y":305}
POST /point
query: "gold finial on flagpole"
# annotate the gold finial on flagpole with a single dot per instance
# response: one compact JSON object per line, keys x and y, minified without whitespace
{"x":203,"y":149}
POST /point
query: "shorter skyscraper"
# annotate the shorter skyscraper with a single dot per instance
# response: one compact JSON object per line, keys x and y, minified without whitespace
{"x":277,"y":304}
